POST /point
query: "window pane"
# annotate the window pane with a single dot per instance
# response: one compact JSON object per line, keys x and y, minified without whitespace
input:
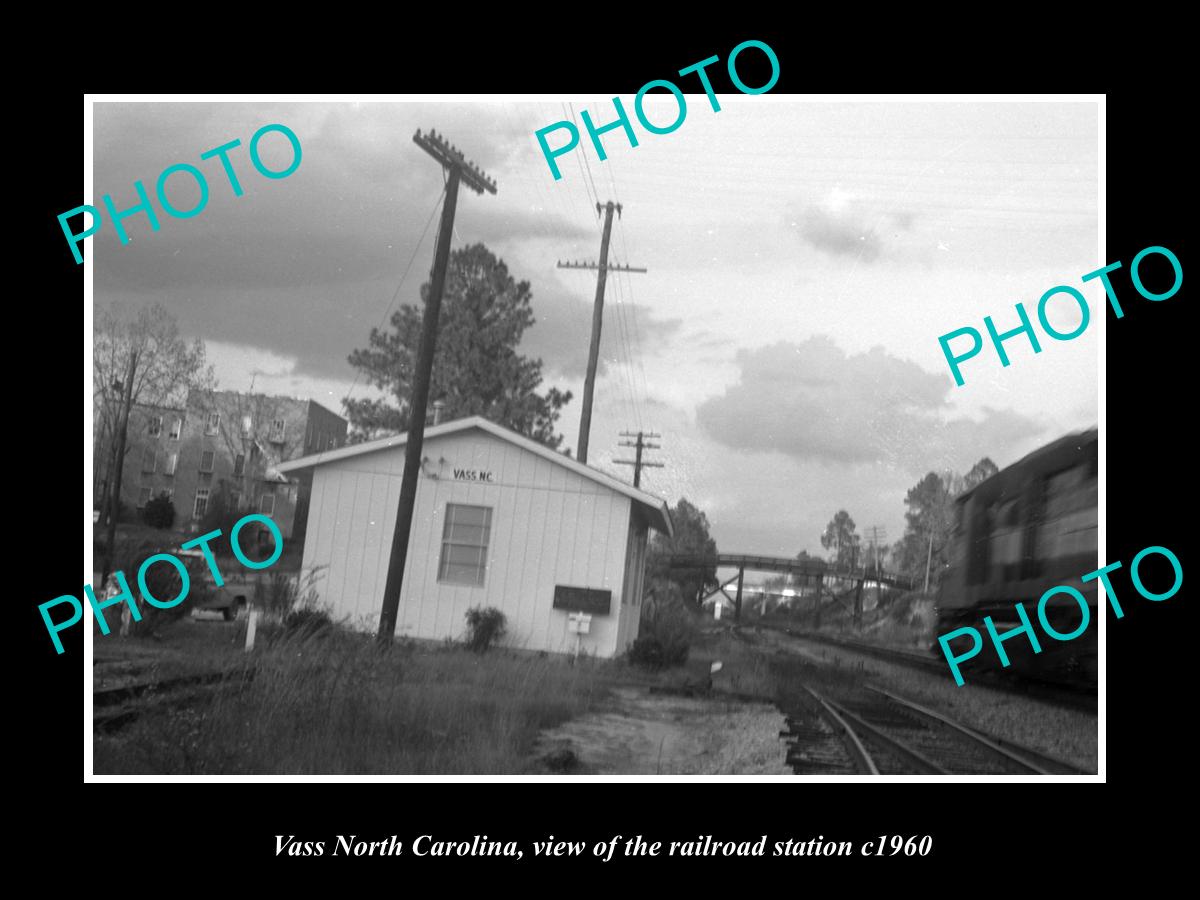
{"x":461,"y":554}
{"x":465,"y":574}
{"x":468,"y":534}
{"x":465,"y":538}
{"x":471,"y":515}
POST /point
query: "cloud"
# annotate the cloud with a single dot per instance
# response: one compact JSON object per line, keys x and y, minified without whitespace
{"x":812,"y":401}
{"x":563,"y":330}
{"x":304,"y":266}
{"x":838,"y":235}
{"x":843,"y":225}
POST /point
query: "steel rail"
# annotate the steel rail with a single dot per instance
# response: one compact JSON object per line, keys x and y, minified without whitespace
{"x":857,"y":750}
{"x":1024,"y":756}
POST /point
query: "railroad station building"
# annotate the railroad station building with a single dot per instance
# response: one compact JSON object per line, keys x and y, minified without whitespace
{"x":500,"y":520}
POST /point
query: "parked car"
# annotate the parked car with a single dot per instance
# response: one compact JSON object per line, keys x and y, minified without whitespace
{"x":230,"y":599}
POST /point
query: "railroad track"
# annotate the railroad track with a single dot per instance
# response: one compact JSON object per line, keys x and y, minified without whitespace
{"x":1056,"y":694}
{"x":877,"y":732}
{"x":114,"y":708}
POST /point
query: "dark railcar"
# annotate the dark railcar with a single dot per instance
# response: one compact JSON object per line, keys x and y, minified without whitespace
{"x":1025,"y":530}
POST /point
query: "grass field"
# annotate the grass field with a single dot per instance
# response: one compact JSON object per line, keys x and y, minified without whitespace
{"x":338,"y":704}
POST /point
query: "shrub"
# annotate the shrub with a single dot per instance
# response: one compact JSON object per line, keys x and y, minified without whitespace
{"x":485,"y":627}
{"x":651,"y":652}
{"x":307,"y":620}
{"x":221,"y":515}
{"x":163,"y":582}
{"x":666,"y":631}
{"x":279,"y":593}
{"x":159,"y":512}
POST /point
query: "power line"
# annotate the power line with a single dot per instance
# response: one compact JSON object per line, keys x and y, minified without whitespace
{"x":407,"y":268}
{"x":595,"y":192}
{"x":631,"y":326}
{"x":623,"y":326}
{"x":623,"y":347}
{"x":633,"y":312}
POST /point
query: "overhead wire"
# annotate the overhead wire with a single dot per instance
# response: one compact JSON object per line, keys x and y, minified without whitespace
{"x":624,"y":314}
{"x":395,"y":294}
{"x":595,"y":192}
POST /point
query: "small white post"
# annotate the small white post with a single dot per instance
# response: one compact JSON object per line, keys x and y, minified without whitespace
{"x":251,"y":627}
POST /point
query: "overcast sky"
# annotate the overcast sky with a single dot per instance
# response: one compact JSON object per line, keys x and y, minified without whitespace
{"x":803,"y":260}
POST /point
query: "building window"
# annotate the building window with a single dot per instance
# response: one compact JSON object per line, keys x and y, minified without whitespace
{"x":247,"y":426}
{"x":169,"y":493}
{"x":213,"y":425}
{"x":201,"y":505}
{"x":143,"y":497}
{"x":278,"y":428}
{"x":239,"y":465}
{"x":176,"y":428}
{"x":206,"y":461}
{"x":149,"y":460}
{"x":465,"y":539}
{"x":154,"y":426}
{"x":266,"y":504}
{"x":235,"y":500}
{"x":172,"y":462}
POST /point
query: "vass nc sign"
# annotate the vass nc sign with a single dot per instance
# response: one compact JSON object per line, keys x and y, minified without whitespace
{"x":474,"y":475}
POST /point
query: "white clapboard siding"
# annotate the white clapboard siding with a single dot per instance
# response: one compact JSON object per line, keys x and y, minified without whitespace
{"x":550,"y":526}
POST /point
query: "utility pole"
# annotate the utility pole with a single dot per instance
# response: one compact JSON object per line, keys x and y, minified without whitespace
{"x":929,"y":559}
{"x":456,"y":169}
{"x":603,"y":268}
{"x":637,"y":463}
{"x":114,"y":495}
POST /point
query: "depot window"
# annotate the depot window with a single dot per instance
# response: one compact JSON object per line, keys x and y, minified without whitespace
{"x":465,"y":539}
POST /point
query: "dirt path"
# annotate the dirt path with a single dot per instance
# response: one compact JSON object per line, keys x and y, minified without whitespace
{"x":644,"y":733}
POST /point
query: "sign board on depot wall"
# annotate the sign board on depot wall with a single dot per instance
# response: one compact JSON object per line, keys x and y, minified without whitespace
{"x":578,"y":599}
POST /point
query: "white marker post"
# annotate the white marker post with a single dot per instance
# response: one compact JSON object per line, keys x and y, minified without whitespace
{"x":579,"y":624}
{"x":251,"y":627}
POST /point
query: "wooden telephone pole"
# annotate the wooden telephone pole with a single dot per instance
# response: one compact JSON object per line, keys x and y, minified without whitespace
{"x":457,"y":169}
{"x":637,"y":463}
{"x":585,"y":420}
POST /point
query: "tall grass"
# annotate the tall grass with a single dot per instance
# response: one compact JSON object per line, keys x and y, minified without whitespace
{"x":334,"y":703}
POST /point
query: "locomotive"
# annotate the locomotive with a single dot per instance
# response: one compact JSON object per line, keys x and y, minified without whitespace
{"x":1029,"y":528}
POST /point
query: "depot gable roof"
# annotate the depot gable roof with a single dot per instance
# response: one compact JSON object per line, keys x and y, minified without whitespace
{"x":654,"y":507}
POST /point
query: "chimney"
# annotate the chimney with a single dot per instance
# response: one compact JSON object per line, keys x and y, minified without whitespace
{"x":438,"y":406}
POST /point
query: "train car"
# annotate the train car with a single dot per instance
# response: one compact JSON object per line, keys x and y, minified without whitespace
{"x":1026,"y":529}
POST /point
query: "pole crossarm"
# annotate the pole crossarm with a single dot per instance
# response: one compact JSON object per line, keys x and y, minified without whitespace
{"x":611,"y":267}
{"x":451,"y":157}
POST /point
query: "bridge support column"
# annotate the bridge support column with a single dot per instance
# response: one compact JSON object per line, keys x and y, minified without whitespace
{"x":858,"y":605}
{"x":737,"y":612}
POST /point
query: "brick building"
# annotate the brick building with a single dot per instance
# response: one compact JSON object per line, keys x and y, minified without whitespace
{"x":223,"y":446}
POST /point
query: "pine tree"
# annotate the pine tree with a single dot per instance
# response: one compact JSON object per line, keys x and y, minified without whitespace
{"x":476,"y":368}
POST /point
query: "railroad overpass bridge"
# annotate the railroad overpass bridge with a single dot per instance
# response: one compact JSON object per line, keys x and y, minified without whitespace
{"x":812,"y":571}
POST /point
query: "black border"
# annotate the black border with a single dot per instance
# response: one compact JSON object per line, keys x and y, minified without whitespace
{"x":1147,"y":491}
